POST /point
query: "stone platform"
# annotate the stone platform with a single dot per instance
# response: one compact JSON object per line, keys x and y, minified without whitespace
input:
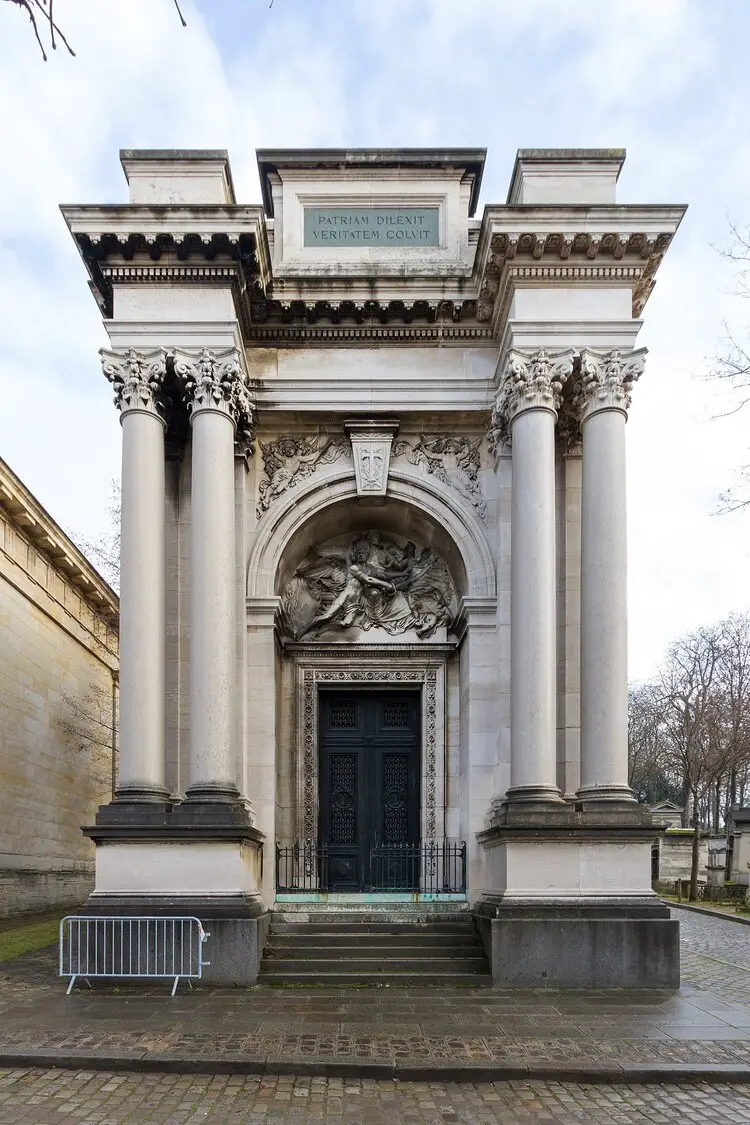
{"x":700,"y":1032}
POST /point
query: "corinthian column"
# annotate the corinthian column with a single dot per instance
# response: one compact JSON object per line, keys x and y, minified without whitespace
{"x":137,"y":378}
{"x":604,"y":397}
{"x":527,"y":404}
{"x":219,"y":400}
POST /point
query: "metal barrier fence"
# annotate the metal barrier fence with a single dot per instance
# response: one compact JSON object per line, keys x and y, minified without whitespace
{"x":427,"y":867}
{"x":132,"y":946}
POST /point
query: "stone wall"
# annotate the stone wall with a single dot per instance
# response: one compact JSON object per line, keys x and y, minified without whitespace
{"x":58,"y":662}
{"x":675,"y":855}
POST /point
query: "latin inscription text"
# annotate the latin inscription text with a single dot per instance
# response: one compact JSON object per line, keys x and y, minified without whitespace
{"x":368,"y":226}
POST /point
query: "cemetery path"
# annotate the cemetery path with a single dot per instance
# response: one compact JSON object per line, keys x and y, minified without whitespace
{"x":468,"y":1034}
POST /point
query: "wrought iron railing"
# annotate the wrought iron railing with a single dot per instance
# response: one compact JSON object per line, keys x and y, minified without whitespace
{"x":429,"y":867}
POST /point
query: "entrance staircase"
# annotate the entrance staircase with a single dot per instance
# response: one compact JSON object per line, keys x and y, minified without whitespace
{"x":410,"y":944}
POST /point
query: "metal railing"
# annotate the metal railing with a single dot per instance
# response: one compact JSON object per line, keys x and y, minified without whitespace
{"x":427,"y":867}
{"x":142,"y":946}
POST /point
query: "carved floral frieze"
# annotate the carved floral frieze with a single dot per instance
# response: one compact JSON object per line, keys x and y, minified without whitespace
{"x":368,"y":581}
{"x":288,"y":460}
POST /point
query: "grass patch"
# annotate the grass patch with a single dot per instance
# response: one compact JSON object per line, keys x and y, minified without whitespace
{"x":27,"y":939}
{"x":718,"y":907}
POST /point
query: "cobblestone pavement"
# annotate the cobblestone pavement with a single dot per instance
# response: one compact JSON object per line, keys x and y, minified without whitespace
{"x":59,"y":1097}
{"x":707,"y":1022}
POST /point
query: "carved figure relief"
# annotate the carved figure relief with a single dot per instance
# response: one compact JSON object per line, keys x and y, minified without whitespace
{"x":366,"y":581}
{"x":453,"y":460}
{"x":288,"y":460}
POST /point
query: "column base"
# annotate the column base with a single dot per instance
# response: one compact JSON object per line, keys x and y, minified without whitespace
{"x":141,"y":794}
{"x":536,"y":796}
{"x":213,"y":792}
{"x":592,"y":796}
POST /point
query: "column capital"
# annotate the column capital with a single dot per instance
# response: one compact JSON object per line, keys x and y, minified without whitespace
{"x":217,"y":382}
{"x":606,"y":380}
{"x":531,"y":379}
{"x":138,"y":379}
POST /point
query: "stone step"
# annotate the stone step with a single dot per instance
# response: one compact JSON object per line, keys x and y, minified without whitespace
{"x":346,"y":926}
{"x":385,"y":942}
{"x":415,"y":912}
{"x":384,"y":979}
{"x":374,"y":966}
{"x":384,"y":953}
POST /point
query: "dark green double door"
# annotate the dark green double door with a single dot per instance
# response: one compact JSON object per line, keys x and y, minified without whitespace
{"x":369,"y":789}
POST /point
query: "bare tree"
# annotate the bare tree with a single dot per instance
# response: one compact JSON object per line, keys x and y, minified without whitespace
{"x":704,"y":690}
{"x":89,"y":725}
{"x":650,"y":775}
{"x":731,"y":367}
{"x":104,"y":551}
{"x":41,"y":17}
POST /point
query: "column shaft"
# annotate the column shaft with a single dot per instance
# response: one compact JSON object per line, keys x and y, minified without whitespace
{"x":533,"y":653}
{"x":212,"y":628}
{"x":142,"y":608}
{"x":604,"y":622}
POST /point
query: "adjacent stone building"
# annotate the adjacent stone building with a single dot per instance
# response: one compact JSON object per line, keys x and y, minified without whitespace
{"x":58,"y":677}
{"x":373,"y":590}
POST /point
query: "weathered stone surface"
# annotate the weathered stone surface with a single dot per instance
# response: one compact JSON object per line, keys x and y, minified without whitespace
{"x":58,"y":659}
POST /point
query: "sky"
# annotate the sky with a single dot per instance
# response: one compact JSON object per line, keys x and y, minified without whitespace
{"x":665,"y":79}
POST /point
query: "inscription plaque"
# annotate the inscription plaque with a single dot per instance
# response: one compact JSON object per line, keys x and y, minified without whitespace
{"x":371,"y":226}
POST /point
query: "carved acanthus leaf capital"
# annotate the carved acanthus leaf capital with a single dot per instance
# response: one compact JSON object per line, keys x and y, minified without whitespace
{"x":217,"y":381}
{"x":606,"y":380}
{"x":529,"y":381}
{"x":138,"y":379}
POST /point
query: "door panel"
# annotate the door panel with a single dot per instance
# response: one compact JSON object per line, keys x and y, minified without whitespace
{"x":369,"y":786}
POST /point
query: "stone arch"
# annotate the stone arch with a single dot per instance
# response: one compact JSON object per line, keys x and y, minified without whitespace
{"x":423,"y":508}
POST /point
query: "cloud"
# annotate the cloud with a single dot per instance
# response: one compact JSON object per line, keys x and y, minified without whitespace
{"x":666,"y":79}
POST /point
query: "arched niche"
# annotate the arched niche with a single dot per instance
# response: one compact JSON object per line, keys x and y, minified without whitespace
{"x":428,"y":513}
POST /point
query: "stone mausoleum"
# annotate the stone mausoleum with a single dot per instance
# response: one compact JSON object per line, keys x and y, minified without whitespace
{"x":373,"y":610}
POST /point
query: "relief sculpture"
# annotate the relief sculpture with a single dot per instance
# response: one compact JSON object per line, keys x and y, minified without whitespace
{"x":453,"y":460}
{"x":368,"y":581}
{"x":288,"y":460}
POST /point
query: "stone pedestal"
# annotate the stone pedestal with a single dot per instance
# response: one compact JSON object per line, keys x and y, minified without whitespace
{"x":571,"y":905}
{"x":188,"y":858}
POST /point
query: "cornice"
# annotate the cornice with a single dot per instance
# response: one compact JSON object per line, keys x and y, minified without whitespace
{"x":627,"y":243}
{"x":178,"y":237}
{"x":35,"y":522}
{"x":515,"y":245}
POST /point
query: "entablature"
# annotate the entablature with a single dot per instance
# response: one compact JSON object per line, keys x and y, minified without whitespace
{"x":352,"y":296}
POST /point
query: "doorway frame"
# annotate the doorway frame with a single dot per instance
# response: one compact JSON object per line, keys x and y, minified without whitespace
{"x":380,"y":667}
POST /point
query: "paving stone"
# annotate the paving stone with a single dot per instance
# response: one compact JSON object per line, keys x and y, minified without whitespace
{"x":706,"y":1024}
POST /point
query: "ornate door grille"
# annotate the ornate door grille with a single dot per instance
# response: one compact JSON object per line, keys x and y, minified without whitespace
{"x":369,"y":785}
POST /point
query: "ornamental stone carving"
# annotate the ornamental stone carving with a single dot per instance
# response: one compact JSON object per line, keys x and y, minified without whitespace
{"x":530,"y":380}
{"x":368,"y":581}
{"x":606,"y":380}
{"x":138,"y":379}
{"x":371,"y":450}
{"x":452,"y":459}
{"x":288,"y":460}
{"x":217,"y":381}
